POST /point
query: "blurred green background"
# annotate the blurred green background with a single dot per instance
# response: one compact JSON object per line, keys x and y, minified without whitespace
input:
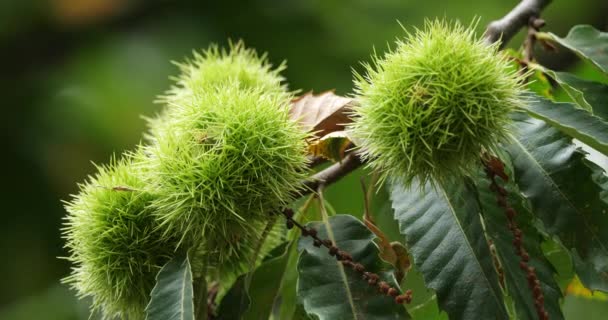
{"x":76,"y":76}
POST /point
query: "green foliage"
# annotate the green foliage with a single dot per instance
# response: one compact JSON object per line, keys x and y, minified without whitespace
{"x":515,"y":281}
{"x":262,"y":286}
{"x":429,"y":107}
{"x":584,"y":92}
{"x":172,"y":296}
{"x":286,"y":304}
{"x":562,"y":187}
{"x":587,"y":42}
{"x":573,"y":121}
{"x":574,"y":87}
{"x":111,"y":234}
{"x":329,"y":290}
{"x":446,"y":240}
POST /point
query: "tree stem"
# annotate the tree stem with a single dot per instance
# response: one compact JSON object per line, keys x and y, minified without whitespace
{"x":505,"y":28}
{"x":330,"y":175}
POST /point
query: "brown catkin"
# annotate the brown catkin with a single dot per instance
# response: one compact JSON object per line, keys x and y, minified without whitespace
{"x":495,"y":168}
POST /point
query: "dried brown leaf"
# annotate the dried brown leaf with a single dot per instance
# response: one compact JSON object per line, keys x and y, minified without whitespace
{"x":323,"y":113}
{"x":393,"y":252}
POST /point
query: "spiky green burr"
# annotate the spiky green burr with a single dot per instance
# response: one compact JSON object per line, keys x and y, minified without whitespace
{"x":231,"y":157}
{"x":110,"y":234}
{"x":227,"y":158}
{"x":217,"y":67}
{"x":428,"y":108}
{"x":222,"y":157}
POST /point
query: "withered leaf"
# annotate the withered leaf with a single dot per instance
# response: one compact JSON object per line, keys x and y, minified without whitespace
{"x":323,"y":113}
{"x":333,"y":146}
{"x":393,"y":252}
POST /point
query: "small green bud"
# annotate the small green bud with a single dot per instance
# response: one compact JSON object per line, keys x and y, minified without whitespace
{"x":428,"y":108}
{"x":114,"y":249}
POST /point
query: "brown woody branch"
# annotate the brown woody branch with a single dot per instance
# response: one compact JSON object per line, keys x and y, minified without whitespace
{"x":505,"y":28}
{"x":330,"y":175}
{"x":534,"y":26}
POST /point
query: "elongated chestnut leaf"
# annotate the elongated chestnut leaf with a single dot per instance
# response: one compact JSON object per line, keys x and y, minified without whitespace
{"x":572,"y":121}
{"x":253,"y":294}
{"x":587,"y":42}
{"x":330,"y":291}
{"x":172,"y":296}
{"x":286,"y":300}
{"x":566,"y":82}
{"x":515,"y":279}
{"x":445,"y":237}
{"x":594,"y":93}
{"x":565,"y":191}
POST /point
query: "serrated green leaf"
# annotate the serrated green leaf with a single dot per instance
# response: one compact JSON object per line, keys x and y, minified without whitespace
{"x":594,"y":93}
{"x":284,"y":306}
{"x":561,"y":186}
{"x":236,"y":301}
{"x":445,"y":237}
{"x":587,"y":42}
{"x":253,"y":294}
{"x":172,"y":296}
{"x":539,"y":84}
{"x":266,"y":283}
{"x":561,"y":259}
{"x":572,"y":121}
{"x":565,"y":82}
{"x":589,"y":95}
{"x":495,"y":222}
{"x":330,"y":291}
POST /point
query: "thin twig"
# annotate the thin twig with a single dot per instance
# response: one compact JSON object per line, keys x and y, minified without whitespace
{"x":315,"y":161}
{"x":330,"y":174}
{"x":505,"y":28}
{"x":534,"y":26}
